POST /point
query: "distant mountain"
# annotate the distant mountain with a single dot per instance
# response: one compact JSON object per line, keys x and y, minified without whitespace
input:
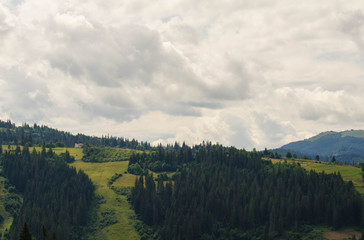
{"x":346,"y":146}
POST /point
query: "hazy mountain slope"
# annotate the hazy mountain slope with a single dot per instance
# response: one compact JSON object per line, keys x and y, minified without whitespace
{"x":346,"y":146}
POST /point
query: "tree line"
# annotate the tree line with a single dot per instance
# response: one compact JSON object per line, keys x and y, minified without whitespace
{"x":234,"y":194}
{"x":56,"y":197}
{"x":40,"y":134}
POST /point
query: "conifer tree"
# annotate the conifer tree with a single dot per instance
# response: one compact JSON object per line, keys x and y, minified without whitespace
{"x":44,"y":233}
{"x":25,"y":233}
{"x":53,"y":237}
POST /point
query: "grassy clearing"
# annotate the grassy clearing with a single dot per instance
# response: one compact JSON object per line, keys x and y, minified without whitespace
{"x":100,"y":173}
{"x":106,"y":154}
{"x":348,"y":173}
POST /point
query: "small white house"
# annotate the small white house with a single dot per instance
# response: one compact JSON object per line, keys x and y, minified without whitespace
{"x":78,"y":145}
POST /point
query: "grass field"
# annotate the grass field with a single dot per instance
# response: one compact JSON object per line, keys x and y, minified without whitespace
{"x":99,"y":174}
{"x":348,"y":173}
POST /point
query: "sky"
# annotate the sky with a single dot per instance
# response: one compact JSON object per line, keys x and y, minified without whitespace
{"x":256,"y":73}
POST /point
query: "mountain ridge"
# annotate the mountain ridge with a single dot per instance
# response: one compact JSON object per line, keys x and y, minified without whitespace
{"x":346,"y":146}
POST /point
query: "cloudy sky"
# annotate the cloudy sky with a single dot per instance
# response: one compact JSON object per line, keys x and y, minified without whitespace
{"x":256,"y":73}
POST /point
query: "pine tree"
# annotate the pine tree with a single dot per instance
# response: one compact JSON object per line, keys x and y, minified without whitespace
{"x":53,"y":237}
{"x":44,"y":233}
{"x":25,"y":233}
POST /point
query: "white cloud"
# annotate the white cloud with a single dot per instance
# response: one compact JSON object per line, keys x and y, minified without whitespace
{"x":244,"y":73}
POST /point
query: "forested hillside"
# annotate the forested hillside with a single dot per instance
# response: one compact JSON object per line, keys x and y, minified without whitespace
{"x":168,"y":158}
{"x":37,"y":135}
{"x":56,"y":196}
{"x":233,"y":194}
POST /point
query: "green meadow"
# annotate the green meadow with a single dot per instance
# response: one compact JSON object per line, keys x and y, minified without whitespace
{"x":100,"y":173}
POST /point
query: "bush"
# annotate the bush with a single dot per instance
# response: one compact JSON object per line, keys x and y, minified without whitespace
{"x":108,"y":218}
{"x":162,"y":177}
{"x":114,"y":178}
{"x":124,"y":191}
{"x":100,"y":199}
{"x":12,"y":204}
{"x":135,"y":169}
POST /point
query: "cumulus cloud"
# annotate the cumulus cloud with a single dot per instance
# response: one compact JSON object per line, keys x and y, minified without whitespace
{"x":243,"y":73}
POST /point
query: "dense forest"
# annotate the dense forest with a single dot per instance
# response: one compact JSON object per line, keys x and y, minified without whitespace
{"x":233,"y":194}
{"x":168,"y":158}
{"x":37,"y":135}
{"x":56,"y":198}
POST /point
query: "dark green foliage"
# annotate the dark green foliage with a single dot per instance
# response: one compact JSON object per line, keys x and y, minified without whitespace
{"x":362,"y":168}
{"x":233,"y":194}
{"x":146,"y":232}
{"x":37,"y":135}
{"x":44,"y":233}
{"x":99,"y":199}
{"x":135,"y":169}
{"x":288,"y":155}
{"x":333,"y":159}
{"x":162,"y":160}
{"x":54,"y":195}
{"x":54,"y":237}
{"x":162,"y":177}
{"x":12,"y":204}
{"x":108,"y":218}
{"x":25,"y":233}
{"x":114,"y":178}
{"x":67,"y":157}
{"x":104,"y":154}
{"x":123,"y":190}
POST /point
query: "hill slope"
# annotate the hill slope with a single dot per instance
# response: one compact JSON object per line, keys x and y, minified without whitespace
{"x":346,"y":146}
{"x":36,"y":135}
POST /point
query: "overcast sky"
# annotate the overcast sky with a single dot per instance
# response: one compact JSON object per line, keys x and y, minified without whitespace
{"x":244,"y":73}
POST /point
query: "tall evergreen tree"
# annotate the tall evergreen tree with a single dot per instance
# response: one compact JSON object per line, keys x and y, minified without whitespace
{"x":25,"y":233}
{"x":44,"y":233}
